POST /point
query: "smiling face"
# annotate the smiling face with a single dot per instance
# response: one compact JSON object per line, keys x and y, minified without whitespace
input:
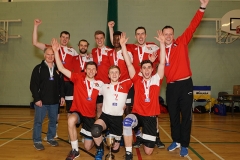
{"x":83,"y":47}
{"x":168,"y":34}
{"x":49,"y":55}
{"x":91,"y":71}
{"x":114,"y":74}
{"x":64,"y":39}
{"x":100,"y":39}
{"x":147,"y":70}
{"x":140,"y":36}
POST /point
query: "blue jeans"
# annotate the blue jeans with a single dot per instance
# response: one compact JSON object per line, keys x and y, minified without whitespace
{"x":40,"y":113}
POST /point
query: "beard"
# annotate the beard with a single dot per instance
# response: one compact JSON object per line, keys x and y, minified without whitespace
{"x":83,"y":51}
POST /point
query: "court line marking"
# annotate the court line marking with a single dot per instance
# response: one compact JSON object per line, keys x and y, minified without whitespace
{"x":19,"y":135}
{"x":188,"y":157}
{"x":16,"y":127}
{"x":207,"y":148}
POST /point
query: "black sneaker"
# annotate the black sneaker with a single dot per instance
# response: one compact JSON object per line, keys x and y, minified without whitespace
{"x":138,"y":142}
{"x":38,"y":146}
{"x":73,"y":154}
{"x":128,"y":156}
{"x":52,"y":142}
{"x":159,"y":144}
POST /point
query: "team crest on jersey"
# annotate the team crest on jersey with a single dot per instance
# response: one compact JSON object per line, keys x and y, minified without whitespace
{"x":120,"y":87}
{"x":96,"y":84}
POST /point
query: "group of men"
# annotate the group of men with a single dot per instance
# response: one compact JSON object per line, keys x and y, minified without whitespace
{"x":104,"y":81}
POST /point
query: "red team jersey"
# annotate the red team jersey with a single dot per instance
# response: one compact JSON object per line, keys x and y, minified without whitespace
{"x":100,"y":57}
{"x":118,"y":60}
{"x":138,"y":56}
{"x":179,"y":63}
{"x":81,"y":103}
{"x":140,"y":106}
{"x":115,"y":97}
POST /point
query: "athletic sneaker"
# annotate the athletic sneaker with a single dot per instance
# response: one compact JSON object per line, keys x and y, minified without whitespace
{"x":128,"y":156}
{"x":99,"y":154}
{"x":184,"y":151}
{"x":159,"y":144}
{"x":173,"y":146}
{"x":52,"y":142}
{"x":138,"y":142}
{"x":38,"y":146}
{"x":73,"y":154}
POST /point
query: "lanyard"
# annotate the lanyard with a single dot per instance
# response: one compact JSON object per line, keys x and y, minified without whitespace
{"x":50,"y":69}
{"x":168,"y":54}
{"x":115,"y":58}
{"x":99,"y":55}
{"x":140,"y":56}
{"x":63,"y":54}
{"x":146,"y":85}
{"x":89,"y":90}
{"x":82,"y":62}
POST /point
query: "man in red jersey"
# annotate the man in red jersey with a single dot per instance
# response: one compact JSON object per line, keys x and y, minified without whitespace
{"x":146,"y":105}
{"x":100,"y":56}
{"x":66,"y":53}
{"x":86,"y":90}
{"x":179,"y":93}
{"x":140,"y":51}
{"x":79,"y":61}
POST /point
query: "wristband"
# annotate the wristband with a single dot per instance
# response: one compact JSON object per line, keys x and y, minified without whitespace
{"x":202,"y":8}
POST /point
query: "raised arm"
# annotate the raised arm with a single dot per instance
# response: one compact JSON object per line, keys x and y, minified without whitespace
{"x":35,"y":42}
{"x":111,"y":31}
{"x":161,"y":65}
{"x":61,"y":68}
{"x":123,"y":41}
{"x":204,"y":4}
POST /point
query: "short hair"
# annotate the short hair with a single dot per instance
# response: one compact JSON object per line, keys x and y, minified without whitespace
{"x":117,"y":33}
{"x":146,"y":61}
{"x":45,"y":49}
{"x":83,"y":40}
{"x":140,"y":28}
{"x":114,"y":66}
{"x":91,"y":63}
{"x":99,"y":32}
{"x":65,"y":32}
{"x":166,"y":27}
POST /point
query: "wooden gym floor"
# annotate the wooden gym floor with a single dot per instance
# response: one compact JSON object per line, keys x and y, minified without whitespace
{"x":213,"y":137}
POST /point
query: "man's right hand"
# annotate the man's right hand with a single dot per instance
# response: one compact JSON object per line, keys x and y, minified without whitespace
{"x":38,"y":103}
{"x":111,"y":24}
{"x":37,"y":22}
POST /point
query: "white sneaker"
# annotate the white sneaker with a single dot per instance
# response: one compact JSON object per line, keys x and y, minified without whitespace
{"x":45,"y":138}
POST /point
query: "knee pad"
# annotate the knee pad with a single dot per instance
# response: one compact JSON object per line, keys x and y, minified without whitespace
{"x":127,"y":122}
{"x":96,"y":130}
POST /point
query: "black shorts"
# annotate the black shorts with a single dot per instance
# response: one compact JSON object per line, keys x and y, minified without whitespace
{"x":114,"y":123}
{"x":130,"y":97}
{"x":149,"y":129}
{"x":87,"y":124}
{"x":99,"y":99}
{"x":68,"y":90}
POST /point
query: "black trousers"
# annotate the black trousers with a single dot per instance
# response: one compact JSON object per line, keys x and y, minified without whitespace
{"x":179,"y":97}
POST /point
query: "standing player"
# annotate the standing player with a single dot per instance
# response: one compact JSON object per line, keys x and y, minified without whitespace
{"x":66,"y":53}
{"x":100,"y":56}
{"x":115,"y":95}
{"x":86,"y":90}
{"x":79,"y":61}
{"x":140,"y":51}
{"x":146,"y":105}
{"x":179,"y":93}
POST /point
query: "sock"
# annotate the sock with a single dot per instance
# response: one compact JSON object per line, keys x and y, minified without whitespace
{"x":74,"y":145}
{"x":129,"y":149}
{"x":100,"y":146}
